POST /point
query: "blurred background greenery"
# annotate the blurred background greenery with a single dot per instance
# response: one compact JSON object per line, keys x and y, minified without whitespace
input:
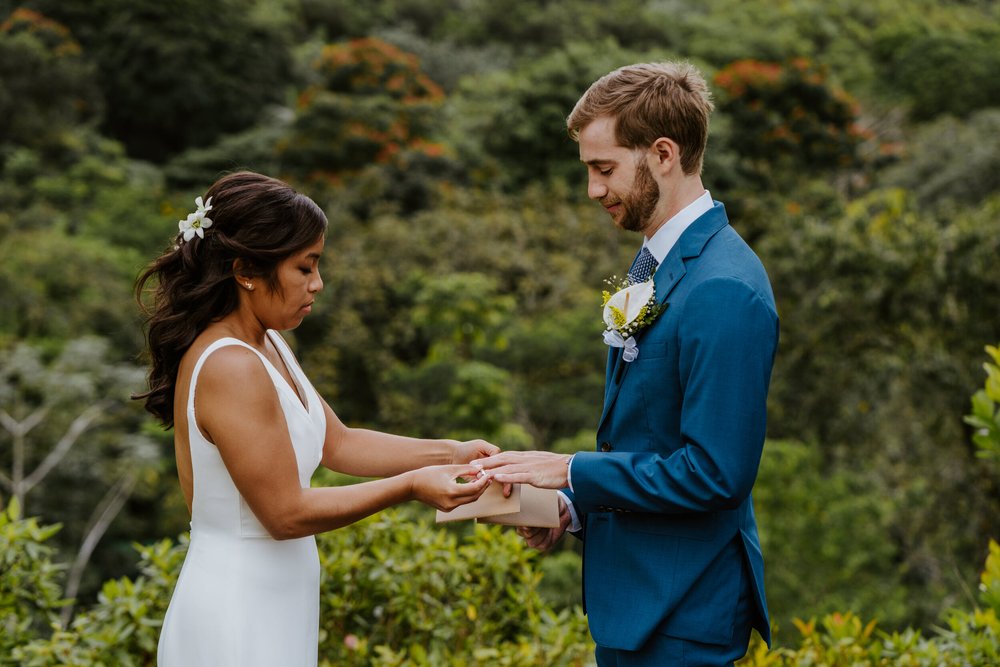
{"x":854,"y":145}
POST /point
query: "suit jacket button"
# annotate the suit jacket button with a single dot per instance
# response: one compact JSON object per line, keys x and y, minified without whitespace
{"x":606,"y":447}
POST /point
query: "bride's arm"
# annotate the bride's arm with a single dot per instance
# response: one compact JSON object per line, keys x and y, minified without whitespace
{"x":239,"y":411}
{"x":366,"y":453}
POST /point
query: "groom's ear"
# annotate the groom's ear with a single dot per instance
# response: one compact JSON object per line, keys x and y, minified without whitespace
{"x":667,"y":153}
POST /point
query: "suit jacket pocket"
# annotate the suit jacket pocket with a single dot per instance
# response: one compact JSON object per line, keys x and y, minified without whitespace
{"x":700,"y":526}
{"x":652,"y":346}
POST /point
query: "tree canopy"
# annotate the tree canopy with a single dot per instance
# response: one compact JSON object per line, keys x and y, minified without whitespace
{"x":852,"y":144}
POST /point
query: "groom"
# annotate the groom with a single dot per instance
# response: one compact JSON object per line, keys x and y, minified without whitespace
{"x":672,"y":566}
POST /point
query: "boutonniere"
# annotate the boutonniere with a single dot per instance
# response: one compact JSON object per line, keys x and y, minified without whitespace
{"x":630,"y":309}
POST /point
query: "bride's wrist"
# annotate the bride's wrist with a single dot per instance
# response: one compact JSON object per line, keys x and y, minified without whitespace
{"x":452,"y":447}
{"x":408,"y":478}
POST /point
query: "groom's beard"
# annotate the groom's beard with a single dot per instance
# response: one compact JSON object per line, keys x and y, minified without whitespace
{"x":640,"y":202}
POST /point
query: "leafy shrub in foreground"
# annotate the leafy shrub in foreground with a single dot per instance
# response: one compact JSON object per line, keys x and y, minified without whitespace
{"x":395,"y":591}
{"x":399,"y":591}
{"x":844,"y":640}
{"x":29,"y":580}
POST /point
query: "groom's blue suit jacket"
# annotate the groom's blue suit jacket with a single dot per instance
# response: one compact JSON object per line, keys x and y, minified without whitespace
{"x":668,"y":520}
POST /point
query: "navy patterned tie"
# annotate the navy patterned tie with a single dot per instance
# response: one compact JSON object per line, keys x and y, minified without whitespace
{"x":642,"y":267}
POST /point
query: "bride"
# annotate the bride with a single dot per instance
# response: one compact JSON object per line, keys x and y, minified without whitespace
{"x":250,"y":430}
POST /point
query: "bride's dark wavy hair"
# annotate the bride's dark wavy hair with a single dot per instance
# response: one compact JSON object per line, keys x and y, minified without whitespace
{"x":257,"y":220}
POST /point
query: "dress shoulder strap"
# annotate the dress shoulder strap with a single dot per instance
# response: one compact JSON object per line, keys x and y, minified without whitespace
{"x":215,"y":345}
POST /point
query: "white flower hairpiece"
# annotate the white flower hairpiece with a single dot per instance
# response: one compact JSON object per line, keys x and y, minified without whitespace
{"x":196,"y":223}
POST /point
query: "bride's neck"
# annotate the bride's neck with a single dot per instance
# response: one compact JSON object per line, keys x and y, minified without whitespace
{"x":243,"y":325}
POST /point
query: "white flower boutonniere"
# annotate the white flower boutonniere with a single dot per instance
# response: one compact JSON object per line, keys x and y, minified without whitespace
{"x":196,"y":223}
{"x":626,"y":312}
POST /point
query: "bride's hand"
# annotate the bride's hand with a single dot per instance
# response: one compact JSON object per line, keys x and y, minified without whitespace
{"x":471,"y":450}
{"x":438,"y":486}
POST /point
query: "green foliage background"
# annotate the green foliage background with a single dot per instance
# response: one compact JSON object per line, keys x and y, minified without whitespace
{"x":853,"y":146}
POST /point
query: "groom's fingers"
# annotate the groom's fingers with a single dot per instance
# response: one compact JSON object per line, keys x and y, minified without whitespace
{"x":505,"y":458}
{"x":518,"y":473}
{"x":514,"y":477}
{"x":537,"y":538}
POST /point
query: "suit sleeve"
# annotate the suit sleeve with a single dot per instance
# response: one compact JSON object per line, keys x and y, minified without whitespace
{"x":727,"y":341}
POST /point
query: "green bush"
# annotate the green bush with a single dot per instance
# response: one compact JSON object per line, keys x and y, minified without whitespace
{"x":969,"y":638}
{"x":396,"y":590}
{"x":122,"y":628}
{"x":985,"y":417}
{"x":825,"y":533}
{"x":30,"y":583}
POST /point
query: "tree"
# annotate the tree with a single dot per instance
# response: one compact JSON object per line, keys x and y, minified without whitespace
{"x":47,"y":86}
{"x":49,"y":411}
{"x":451,"y":390}
{"x":787,"y":119}
{"x":512,"y":281}
{"x":55,"y":287}
{"x":824,"y":536}
{"x":878,"y":349}
{"x":939,"y":73}
{"x":369,"y":102}
{"x":180,"y":74}
{"x":947,"y":165}
{"x":510,"y":126}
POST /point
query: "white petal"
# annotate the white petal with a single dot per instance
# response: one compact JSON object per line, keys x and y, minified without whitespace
{"x":208,"y":204}
{"x":630,"y":301}
{"x":206,"y":222}
{"x":198,"y":203}
{"x":200,"y":232}
{"x":188,"y":234}
{"x":182,"y":225}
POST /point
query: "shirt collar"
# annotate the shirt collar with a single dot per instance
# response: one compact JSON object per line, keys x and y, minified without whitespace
{"x":666,"y":236}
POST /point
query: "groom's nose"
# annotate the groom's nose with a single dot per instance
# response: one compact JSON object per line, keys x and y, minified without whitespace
{"x":596,"y":189}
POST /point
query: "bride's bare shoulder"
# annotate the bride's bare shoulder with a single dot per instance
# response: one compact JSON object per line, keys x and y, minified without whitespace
{"x":230,"y":363}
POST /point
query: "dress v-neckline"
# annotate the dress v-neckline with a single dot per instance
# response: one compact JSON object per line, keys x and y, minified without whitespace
{"x":296,"y":386}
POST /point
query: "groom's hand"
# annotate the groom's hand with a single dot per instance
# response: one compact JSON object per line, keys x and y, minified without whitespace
{"x":543,"y":538}
{"x":545,"y":470}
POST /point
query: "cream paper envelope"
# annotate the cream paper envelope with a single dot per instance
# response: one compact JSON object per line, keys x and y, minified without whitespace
{"x":539,"y":509}
{"x":490,"y":503}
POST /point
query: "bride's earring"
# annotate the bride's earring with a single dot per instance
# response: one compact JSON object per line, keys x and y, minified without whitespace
{"x":249,"y":285}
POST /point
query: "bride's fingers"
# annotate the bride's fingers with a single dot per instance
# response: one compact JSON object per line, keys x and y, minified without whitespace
{"x":471,"y":488}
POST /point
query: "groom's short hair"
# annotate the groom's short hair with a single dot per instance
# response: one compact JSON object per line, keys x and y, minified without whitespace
{"x":649,"y":101}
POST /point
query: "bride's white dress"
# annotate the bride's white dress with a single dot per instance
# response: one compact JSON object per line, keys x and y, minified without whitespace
{"x":242,"y":598}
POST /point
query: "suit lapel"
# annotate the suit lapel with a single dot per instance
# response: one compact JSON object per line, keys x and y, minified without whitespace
{"x":668,"y":274}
